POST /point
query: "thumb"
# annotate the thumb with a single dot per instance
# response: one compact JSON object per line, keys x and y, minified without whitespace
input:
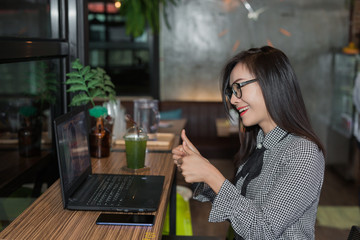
{"x":188,"y":142}
{"x":187,"y":149}
{"x":183,"y":136}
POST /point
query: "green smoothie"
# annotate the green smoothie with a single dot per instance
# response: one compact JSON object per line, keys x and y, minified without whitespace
{"x":135,"y":151}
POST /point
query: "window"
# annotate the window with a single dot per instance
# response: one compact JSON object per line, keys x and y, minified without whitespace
{"x":40,"y":31}
{"x":132,"y":63}
{"x":28,"y":19}
{"x":38,"y":41}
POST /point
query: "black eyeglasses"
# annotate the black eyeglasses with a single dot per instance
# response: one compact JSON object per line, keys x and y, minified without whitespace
{"x":236,"y":88}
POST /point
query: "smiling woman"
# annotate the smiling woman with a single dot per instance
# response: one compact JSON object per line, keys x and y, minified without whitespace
{"x":251,"y":104}
{"x":280,"y":165}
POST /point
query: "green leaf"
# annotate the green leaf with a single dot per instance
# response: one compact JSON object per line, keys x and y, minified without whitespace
{"x":95,"y":84}
{"x":52,"y":100}
{"x":52,"y":81}
{"x":51,"y":75}
{"x":76,"y":88}
{"x":85,"y":70}
{"x":97,"y":93}
{"x":140,"y":13}
{"x":77,"y":65}
{"x":135,"y":19}
{"x":89,"y":83}
{"x":73,"y":74}
{"x":80,"y":99}
{"x":100,"y":70}
{"x":75,"y":81}
{"x":52,"y":88}
{"x":112,"y":98}
{"x":136,"y":6}
{"x":108,"y":89}
{"x":152,"y":14}
{"x":89,"y":75}
{"x":109,"y":83}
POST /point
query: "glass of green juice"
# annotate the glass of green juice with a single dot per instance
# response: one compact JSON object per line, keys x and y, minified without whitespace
{"x":135,"y":147}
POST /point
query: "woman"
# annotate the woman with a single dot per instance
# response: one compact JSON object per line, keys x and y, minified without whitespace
{"x":280,"y":163}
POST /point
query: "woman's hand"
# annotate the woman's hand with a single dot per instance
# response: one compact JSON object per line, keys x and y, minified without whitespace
{"x":194,"y":167}
{"x":187,"y":141}
{"x":179,"y":153}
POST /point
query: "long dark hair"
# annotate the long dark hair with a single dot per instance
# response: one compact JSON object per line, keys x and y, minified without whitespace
{"x":281,"y":92}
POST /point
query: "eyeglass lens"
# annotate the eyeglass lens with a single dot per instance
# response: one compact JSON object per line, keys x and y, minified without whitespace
{"x":236,"y":89}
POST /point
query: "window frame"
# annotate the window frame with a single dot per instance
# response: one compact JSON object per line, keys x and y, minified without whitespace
{"x":71,"y":43}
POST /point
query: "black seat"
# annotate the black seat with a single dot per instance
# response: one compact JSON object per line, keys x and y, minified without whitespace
{"x":354,"y":233}
{"x":190,"y":238}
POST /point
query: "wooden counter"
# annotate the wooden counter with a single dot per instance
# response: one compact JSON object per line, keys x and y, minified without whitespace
{"x":46,"y":218}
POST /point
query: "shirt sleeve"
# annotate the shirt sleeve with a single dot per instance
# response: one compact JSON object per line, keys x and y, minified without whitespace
{"x":295,"y":191}
{"x":203,"y":193}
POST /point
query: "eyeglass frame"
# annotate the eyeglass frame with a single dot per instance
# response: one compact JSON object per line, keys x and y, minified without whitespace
{"x":229,"y":91}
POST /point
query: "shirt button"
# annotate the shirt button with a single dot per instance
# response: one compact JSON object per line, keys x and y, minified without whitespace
{"x":259,"y":146}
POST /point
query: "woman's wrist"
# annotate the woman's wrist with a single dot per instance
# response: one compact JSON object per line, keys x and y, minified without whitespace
{"x":214,"y":179}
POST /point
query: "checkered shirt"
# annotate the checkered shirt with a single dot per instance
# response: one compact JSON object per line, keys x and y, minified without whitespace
{"x":281,"y":203}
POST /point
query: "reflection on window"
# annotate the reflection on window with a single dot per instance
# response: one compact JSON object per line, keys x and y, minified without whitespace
{"x":97,"y":58}
{"x":34,"y":83}
{"x":24,"y":18}
{"x":125,"y":58}
{"x":120,"y":58}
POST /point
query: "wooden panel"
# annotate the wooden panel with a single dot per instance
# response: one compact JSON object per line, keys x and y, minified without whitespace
{"x":200,"y":115}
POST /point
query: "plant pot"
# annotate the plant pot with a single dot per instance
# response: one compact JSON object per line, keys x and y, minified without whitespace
{"x":29,"y":137}
{"x":100,"y":141}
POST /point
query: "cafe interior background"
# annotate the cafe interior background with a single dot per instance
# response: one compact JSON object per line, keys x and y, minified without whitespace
{"x":183,"y":60}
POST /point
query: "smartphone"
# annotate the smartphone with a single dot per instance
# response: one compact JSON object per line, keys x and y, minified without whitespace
{"x":125,"y":219}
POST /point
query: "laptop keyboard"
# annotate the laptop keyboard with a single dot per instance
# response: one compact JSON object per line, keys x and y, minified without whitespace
{"x":111,"y":191}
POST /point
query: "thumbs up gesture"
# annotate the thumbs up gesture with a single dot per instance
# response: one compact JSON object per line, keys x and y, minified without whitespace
{"x":194,"y":167}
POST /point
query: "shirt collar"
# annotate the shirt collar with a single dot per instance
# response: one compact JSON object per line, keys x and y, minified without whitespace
{"x":271,"y":138}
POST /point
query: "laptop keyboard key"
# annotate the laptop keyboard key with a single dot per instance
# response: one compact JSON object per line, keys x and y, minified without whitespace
{"x":111,"y":191}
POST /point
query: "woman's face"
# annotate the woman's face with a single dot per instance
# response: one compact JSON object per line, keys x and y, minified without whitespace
{"x":251,"y":105}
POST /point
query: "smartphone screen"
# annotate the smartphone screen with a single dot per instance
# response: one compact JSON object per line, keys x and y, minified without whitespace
{"x":125,"y":219}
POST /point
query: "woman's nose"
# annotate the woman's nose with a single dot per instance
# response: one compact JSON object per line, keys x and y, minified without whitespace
{"x":234,"y":99}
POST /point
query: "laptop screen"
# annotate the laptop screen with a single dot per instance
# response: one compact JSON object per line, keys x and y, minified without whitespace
{"x":73,"y":147}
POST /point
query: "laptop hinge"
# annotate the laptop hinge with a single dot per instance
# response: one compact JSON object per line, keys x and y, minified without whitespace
{"x":83,"y":190}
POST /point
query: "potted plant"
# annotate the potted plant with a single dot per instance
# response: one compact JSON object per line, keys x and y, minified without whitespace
{"x":87,"y":84}
{"x":29,"y":135}
{"x":47,"y":87}
{"x":140,"y":13}
{"x":32,"y":117}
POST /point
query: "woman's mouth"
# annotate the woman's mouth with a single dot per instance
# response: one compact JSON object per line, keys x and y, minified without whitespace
{"x":242,"y":110}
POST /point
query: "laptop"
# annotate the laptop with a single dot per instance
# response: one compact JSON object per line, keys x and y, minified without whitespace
{"x":82,"y":190}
